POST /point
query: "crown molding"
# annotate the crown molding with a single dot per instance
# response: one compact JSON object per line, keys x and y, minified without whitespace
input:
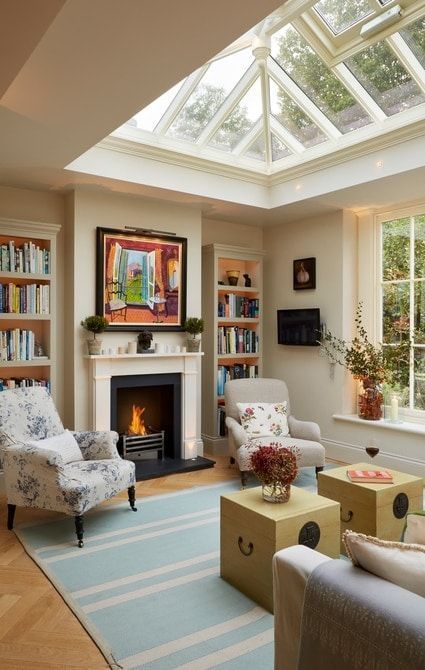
{"x":173,"y":157}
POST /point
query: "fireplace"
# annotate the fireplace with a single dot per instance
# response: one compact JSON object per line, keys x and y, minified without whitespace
{"x":146,"y":412}
{"x":110,"y":375}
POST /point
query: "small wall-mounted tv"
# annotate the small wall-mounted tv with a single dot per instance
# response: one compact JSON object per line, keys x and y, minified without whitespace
{"x":299,"y":327}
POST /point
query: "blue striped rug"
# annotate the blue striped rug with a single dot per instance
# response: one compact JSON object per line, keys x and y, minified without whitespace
{"x":146,"y":586}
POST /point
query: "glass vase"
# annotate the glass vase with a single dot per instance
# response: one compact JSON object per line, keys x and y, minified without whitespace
{"x":370,"y":401}
{"x":276,"y":493}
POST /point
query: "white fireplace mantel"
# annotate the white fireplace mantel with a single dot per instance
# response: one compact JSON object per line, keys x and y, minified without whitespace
{"x":103,"y":367}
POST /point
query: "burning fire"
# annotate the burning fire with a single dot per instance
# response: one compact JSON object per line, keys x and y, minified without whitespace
{"x":137,"y":425}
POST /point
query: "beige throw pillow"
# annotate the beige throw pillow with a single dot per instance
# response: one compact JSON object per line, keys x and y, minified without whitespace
{"x":64,"y":444}
{"x":397,"y":562}
{"x":415,"y":528}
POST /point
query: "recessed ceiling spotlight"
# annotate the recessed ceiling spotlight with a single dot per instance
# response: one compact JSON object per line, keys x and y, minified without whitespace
{"x":379,"y":164}
{"x":298,"y":187}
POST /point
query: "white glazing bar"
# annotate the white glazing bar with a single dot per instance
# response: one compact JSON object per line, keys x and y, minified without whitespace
{"x":358,"y":92}
{"x":249,"y":138}
{"x":286,"y":137}
{"x":408,"y":59}
{"x":179,"y":101}
{"x":229,"y":104}
{"x":265,"y":92}
{"x":412,"y":314}
{"x":294,"y":91}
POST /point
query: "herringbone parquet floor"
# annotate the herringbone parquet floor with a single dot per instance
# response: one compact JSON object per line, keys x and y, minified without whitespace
{"x":37,"y":630}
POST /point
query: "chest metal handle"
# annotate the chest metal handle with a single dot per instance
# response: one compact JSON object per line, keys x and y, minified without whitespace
{"x":246,"y":551}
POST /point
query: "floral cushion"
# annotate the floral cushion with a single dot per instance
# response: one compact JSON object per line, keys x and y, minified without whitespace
{"x":264,"y":419}
{"x":64,"y":444}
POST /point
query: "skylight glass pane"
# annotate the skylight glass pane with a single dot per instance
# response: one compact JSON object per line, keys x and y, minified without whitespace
{"x":279,"y":150}
{"x":340,"y":14}
{"x":257,"y":149}
{"x":150,"y":116}
{"x":414,"y":35}
{"x":384,"y":77}
{"x":293,"y":118}
{"x":241,"y":120}
{"x":299,"y":60}
{"x":220,"y":78}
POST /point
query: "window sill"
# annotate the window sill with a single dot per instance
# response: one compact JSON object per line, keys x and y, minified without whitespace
{"x":403,"y":426}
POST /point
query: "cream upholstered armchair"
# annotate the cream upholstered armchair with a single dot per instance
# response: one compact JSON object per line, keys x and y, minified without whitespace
{"x":305,"y":435}
{"x":48,"y":467}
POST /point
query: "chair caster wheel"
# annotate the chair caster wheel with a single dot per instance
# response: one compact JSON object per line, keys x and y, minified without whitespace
{"x":80,"y":543}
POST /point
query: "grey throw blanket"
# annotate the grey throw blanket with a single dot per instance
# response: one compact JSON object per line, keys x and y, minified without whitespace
{"x":356,"y":621}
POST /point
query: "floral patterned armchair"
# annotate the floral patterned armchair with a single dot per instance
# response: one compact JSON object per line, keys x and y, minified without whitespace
{"x":45,"y":467}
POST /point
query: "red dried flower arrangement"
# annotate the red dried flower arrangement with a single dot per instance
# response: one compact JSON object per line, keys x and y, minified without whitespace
{"x":273,"y":464}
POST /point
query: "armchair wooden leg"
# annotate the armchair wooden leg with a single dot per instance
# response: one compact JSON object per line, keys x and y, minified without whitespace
{"x":319,"y":468}
{"x":79,"y":529}
{"x":10,"y":516}
{"x":231,"y":461}
{"x":132,"y":498}
{"x":244,"y":478}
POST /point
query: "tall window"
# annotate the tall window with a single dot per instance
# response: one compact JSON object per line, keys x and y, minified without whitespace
{"x":403,"y":302}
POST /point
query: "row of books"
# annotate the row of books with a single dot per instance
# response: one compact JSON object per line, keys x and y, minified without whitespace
{"x":221,"y":421}
{"x":235,"y":340}
{"x":16,"y":345}
{"x":26,"y":258}
{"x":28,"y":299}
{"x":226,"y":372}
{"x":236,"y":306}
{"x":20,"y":382}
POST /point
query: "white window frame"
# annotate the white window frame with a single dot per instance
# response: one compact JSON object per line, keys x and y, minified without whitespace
{"x":410,"y":414}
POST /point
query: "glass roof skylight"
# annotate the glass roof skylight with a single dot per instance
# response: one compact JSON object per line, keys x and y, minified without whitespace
{"x":341,"y":14}
{"x":281,"y":94}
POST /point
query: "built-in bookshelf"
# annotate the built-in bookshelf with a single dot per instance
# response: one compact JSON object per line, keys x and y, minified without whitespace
{"x":232,"y":339}
{"x":27,"y":300}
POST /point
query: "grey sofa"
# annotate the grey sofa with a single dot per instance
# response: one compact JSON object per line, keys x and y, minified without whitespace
{"x":330,"y":614}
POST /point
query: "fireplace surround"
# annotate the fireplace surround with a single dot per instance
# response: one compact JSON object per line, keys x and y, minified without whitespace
{"x":104,"y":368}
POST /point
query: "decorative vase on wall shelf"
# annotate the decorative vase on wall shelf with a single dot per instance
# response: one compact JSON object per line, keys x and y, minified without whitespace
{"x":276,"y":493}
{"x":233,"y":277}
{"x":370,"y":401}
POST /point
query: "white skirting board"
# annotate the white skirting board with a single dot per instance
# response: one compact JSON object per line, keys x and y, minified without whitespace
{"x":354,"y":453}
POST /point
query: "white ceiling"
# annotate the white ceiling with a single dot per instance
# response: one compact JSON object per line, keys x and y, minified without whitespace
{"x":71,"y":71}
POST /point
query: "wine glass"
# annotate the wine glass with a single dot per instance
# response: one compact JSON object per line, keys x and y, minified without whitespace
{"x":372,"y":450}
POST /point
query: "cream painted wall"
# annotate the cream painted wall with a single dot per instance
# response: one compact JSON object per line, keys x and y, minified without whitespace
{"x":306,"y":373}
{"x":317,"y":390}
{"x":92,"y":209}
{"x":233,"y":234}
{"x":45,"y":207}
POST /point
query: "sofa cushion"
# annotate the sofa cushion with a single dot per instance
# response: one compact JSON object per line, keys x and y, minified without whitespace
{"x":415,"y":528}
{"x":64,"y":444}
{"x":400,"y":563}
{"x":264,"y":419}
{"x":309,"y":453}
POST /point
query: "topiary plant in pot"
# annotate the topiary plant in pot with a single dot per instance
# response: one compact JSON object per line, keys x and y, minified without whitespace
{"x":194,"y":327}
{"x":94,"y":324}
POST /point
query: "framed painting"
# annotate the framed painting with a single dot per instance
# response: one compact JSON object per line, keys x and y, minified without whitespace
{"x":304,"y":273}
{"x":141,"y":280}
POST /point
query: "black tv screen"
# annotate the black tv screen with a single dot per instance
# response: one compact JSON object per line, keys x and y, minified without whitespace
{"x":298,"y":327}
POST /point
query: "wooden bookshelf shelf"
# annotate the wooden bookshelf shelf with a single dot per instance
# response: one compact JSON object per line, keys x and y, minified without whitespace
{"x":26,"y":242}
{"x":217,"y":259}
